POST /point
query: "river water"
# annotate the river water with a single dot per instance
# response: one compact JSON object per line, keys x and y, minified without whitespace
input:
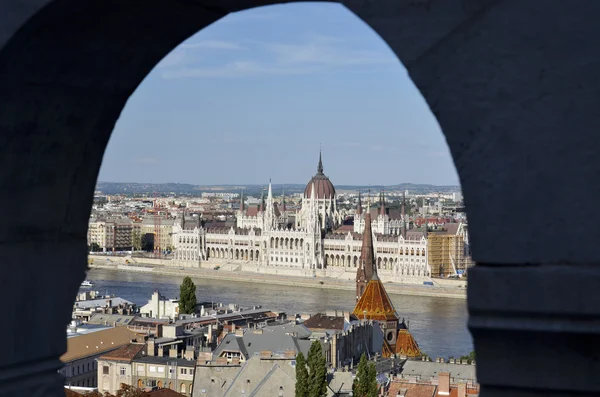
{"x":438,"y":324}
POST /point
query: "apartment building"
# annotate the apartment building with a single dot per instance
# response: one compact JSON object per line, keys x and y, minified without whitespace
{"x":80,"y":366}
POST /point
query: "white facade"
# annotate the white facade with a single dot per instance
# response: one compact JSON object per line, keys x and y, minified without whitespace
{"x":263,"y":239}
{"x":160,"y":307}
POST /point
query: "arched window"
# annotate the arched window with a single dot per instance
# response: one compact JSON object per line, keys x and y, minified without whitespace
{"x":182,"y":389}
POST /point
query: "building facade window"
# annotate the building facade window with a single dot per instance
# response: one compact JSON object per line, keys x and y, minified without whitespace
{"x":122,"y":371}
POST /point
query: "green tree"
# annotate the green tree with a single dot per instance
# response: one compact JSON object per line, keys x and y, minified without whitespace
{"x":187,"y":296}
{"x":317,"y":371}
{"x":470,"y":357}
{"x":301,"y":376}
{"x":372,"y":386}
{"x":365,"y":383}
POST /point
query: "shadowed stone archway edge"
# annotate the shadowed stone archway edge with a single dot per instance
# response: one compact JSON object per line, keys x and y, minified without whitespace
{"x":512,"y":83}
{"x":533,"y":325}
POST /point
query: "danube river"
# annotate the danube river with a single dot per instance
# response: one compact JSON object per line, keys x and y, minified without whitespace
{"x":438,"y":324}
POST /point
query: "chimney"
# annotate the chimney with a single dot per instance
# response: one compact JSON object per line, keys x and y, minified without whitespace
{"x":444,"y":384}
{"x":189,"y":353}
{"x":402,"y":392}
{"x":173,"y":352}
{"x":151,"y":348}
{"x":462,"y":390}
{"x":204,"y":357}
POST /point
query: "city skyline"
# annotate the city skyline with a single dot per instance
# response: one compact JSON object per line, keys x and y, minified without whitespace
{"x":254,"y":96}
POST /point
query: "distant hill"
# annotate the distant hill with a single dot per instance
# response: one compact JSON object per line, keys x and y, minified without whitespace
{"x":163,"y":189}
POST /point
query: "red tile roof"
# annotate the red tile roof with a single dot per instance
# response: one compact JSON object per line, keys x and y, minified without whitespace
{"x":413,"y":389}
{"x":375,"y":304}
{"x":322,"y":322}
{"x":125,"y":353}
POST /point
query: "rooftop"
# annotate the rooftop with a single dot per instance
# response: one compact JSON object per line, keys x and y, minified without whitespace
{"x":97,"y":343}
{"x":125,"y":353}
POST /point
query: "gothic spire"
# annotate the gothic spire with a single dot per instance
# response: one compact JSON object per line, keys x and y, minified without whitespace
{"x":242,"y":201}
{"x":183,"y":220}
{"x":382,"y":203}
{"x":320,"y":166}
{"x":404,"y":214}
{"x":270,"y":194}
{"x":262,"y":200}
{"x":359,"y":205}
{"x":367,"y":253}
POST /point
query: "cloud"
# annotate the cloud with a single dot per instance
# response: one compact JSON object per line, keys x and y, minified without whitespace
{"x":145,"y":160}
{"x":234,"y":69}
{"x":328,"y":51}
{"x":213,"y":45}
{"x":316,"y":54}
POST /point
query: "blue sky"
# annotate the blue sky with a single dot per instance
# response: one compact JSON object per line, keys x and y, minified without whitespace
{"x":252,"y":97}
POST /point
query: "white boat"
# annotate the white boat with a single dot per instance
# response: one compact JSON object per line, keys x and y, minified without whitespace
{"x":87,"y":283}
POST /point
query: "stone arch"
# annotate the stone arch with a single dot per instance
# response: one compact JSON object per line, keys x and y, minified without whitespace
{"x":82,"y":97}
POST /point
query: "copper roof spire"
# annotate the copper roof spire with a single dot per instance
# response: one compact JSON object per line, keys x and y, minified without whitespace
{"x":367,"y":254}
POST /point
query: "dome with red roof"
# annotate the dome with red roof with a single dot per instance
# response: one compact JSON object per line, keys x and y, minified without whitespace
{"x":323,"y":187}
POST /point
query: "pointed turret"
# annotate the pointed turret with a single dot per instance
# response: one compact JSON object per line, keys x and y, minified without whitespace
{"x":183,"y":220}
{"x":242,"y":201}
{"x":404,"y":214}
{"x":382,"y":204}
{"x":320,"y":166}
{"x":270,"y":193}
{"x":262,"y":200}
{"x":359,"y":205}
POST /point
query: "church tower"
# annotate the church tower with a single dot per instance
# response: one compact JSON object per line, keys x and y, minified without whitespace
{"x":366,"y":267}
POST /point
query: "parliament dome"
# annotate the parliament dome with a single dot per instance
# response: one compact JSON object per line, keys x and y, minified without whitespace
{"x":324,"y":189}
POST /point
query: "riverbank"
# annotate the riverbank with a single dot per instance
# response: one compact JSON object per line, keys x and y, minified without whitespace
{"x":247,"y":277}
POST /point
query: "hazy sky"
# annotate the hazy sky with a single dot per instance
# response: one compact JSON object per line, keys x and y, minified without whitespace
{"x":252,"y":97}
